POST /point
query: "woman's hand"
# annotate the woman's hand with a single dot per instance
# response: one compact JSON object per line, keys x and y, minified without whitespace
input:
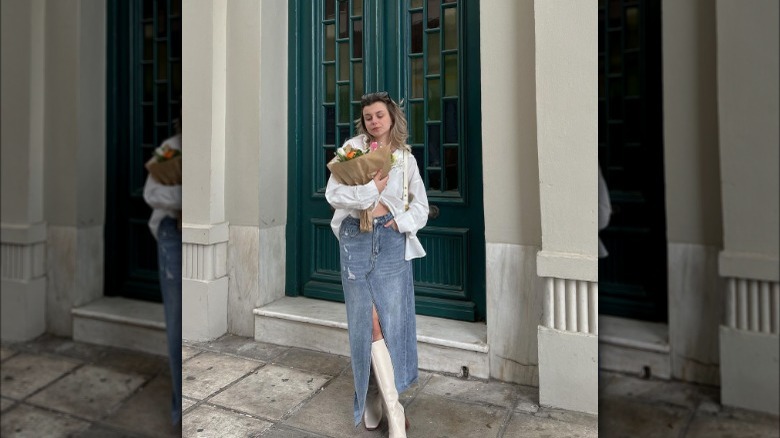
{"x":380,"y":182}
{"x":391,"y":223}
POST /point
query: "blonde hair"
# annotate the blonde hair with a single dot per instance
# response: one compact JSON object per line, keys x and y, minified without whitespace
{"x":398,"y":132}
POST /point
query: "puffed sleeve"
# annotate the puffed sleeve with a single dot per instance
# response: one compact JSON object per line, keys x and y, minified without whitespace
{"x":416,"y":217}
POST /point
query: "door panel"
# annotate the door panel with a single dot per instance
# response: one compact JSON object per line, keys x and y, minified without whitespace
{"x":632,"y":279}
{"x":414,"y":50}
{"x":144,"y":79}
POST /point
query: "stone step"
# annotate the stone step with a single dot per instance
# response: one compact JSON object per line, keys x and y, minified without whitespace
{"x":443,"y":345}
{"x":121,"y":322}
{"x":636,"y":347}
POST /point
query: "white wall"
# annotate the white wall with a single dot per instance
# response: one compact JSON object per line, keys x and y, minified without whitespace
{"x":692,"y":187}
{"x":748,"y":111}
{"x":256,"y":160}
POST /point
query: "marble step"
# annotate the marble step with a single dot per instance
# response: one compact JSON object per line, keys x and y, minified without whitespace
{"x":121,"y":322}
{"x":635,"y":347}
{"x":443,"y":345}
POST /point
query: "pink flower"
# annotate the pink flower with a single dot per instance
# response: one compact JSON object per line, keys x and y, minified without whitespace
{"x":373,"y":146}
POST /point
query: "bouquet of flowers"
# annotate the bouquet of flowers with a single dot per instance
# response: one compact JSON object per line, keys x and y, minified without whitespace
{"x":354,"y":166}
{"x":165,"y":165}
{"x":357,"y":166}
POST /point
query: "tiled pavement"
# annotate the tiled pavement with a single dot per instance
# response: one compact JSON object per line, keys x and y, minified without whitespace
{"x":237,"y":387}
{"x":633,"y":407}
{"x":54,"y":387}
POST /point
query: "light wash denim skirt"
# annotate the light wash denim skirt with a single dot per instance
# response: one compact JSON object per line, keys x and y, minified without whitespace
{"x":373,"y":271}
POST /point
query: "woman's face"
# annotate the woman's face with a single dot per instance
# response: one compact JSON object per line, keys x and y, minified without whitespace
{"x":377,"y":119}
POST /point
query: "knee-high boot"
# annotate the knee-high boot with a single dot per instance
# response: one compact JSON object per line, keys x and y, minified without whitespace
{"x":372,"y":414}
{"x":385,"y":379}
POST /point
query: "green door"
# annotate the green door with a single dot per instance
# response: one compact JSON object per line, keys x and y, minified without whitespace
{"x":632,"y":279}
{"x":426,"y":53}
{"x":144,"y":86}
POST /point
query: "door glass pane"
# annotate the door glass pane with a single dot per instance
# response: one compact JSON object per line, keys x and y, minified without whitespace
{"x":433,"y":53}
{"x":434,"y":145}
{"x":416,"y":71}
{"x":330,"y":42}
{"x":450,"y":28}
{"x":418,"y":123}
{"x":450,"y":121}
{"x":357,"y":7}
{"x":433,"y":14}
{"x":451,"y":169}
{"x":344,"y":61}
{"x":451,"y":74}
{"x":357,"y":79}
{"x":417,"y":32}
{"x":357,"y":38}
{"x":344,"y":103}
{"x":330,"y":9}
{"x":162,"y":61}
{"x":330,"y":83}
{"x":343,"y":19}
{"x":434,"y":99}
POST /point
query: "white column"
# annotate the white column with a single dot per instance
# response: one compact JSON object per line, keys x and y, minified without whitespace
{"x":748,"y":110}
{"x":205,"y":230}
{"x":23,"y":241}
{"x":567,"y":134}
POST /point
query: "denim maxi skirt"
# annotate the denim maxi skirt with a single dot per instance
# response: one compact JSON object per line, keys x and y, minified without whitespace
{"x":373,"y":271}
{"x":169,"y":265}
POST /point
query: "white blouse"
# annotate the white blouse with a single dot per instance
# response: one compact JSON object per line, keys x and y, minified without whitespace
{"x":350,"y":200}
{"x":164,"y":200}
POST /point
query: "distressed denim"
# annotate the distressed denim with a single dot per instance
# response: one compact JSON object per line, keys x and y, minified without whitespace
{"x":373,"y":271}
{"x":169,"y":264}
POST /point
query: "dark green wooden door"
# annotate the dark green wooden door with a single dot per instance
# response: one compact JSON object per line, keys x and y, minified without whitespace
{"x":144,"y":86}
{"x":632,"y":279}
{"x":426,"y":53}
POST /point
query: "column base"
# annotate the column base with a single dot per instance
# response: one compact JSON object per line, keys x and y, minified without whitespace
{"x":568,"y":370}
{"x":204,"y":309}
{"x":748,"y":370}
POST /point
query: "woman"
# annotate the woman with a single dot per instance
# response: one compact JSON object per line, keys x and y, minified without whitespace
{"x":162,"y":192}
{"x":376,"y":267}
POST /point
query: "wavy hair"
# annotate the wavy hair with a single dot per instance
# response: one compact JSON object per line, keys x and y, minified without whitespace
{"x":398,"y":132}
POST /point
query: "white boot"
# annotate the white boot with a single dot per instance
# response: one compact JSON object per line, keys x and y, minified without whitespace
{"x":372,"y":414}
{"x":385,"y":379}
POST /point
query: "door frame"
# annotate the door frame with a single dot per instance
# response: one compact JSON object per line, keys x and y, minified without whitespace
{"x":302,"y":70}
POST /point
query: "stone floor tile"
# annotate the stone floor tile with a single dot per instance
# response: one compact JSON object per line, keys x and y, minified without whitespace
{"x":5,"y":353}
{"x":6,"y":403}
{"x":287,"y":432}
{"x":271,"y":392}
{"x":145,"y":364}
{"x":563,"y":415}
{"x":50,"y":344}
{"x":308,"y":360}
{"x":330,"y":412}
{"x":90,"y":392}
{"x":531,"y":426}
{"x":211,"y":422}
{"x":188,"y":352}
{"x":148,"y":411}
{"x":408,"y":395}
{"x":209,"y":372}
{"x":186,"y":403}
{"x":716,"y":426}
{"x":434,"y":416}
{"x":246,"y":347}
{"x":475,"y":391}
{"x":26,"y":373}
{"x":29,"y":421}
{"x":526,"y":406}
{"x":99,"y":430}
{"x":626,"y":417}
{"x":663,"y":391}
